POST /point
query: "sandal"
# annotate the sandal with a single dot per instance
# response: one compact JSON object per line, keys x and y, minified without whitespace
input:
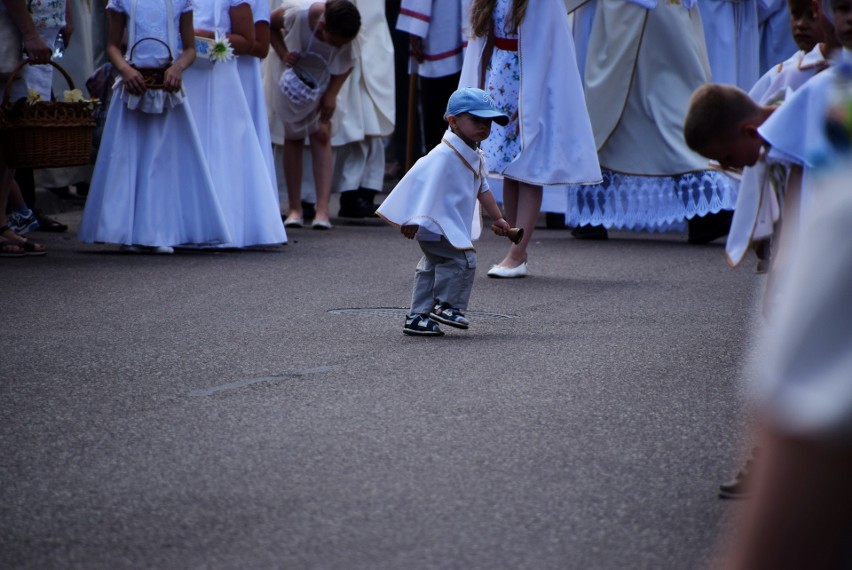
{"x":32,"y":248}
{"x":8,"y":248}
{"x":20,"y":246}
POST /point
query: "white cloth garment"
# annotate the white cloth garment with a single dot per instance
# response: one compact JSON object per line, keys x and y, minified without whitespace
{"x":637,"y":91}
{"x":240,"y":172}
{"x":776,"y":41}
{"x":440,"y":25}
{"x":145,"y":51}
{"x":440,"y":193}
{"x":318,"y":57}
{"x":551,"y":99}
{"x":252,"y":82}
{"x":796,"y":131}
{"x":758,"y":208}
{"x":788,"y":75}
{"x":804,"y":385}
{"x":366,"y":105}
{"x":151,"y":185}
{"x":733,"y":40}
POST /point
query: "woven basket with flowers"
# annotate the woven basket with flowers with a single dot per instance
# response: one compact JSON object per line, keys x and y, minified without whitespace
{"x":35,"y":133}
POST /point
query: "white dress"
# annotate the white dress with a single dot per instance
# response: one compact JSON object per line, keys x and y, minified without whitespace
{"x":229,"y":138}
{"x":733,"y":41}
{"x":551,"y":99}
{"x":250,"y":78}
{"x":151,"y":184}
{"x":637,"y":91}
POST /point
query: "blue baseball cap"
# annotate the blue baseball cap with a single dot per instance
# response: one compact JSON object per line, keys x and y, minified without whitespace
{"x":476,"y":102}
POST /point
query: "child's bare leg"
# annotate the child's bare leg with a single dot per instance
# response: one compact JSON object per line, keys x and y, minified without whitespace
{"x":525,"y":200}
{"x":293,"y":176}
{"x":322,"y":165}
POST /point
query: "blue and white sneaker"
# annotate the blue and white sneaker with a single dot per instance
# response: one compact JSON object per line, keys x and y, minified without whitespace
{"x":445,"y":314}
{"x":22,"y":223}
{"x":421,"y":325}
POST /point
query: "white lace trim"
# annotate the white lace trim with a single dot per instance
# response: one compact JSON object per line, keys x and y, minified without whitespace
{"x":649,"y":203}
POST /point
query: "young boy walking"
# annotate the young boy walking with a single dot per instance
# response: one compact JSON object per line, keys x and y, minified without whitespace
{"x":437,"y":202}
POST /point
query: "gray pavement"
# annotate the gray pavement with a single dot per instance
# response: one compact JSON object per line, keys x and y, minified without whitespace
{"x":207,"y":410}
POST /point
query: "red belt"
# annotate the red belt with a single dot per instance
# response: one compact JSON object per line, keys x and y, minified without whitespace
{"x":506,"y":44}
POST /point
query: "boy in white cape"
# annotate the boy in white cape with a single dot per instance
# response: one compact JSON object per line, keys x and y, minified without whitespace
{"x":437,"y":202}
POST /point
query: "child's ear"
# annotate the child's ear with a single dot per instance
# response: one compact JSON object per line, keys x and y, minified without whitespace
{"x":451,"y":119}
{"x":749,"y":130}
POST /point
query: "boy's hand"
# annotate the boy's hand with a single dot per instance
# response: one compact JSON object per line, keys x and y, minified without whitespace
{"x":501,"y":227}
{"x":409,"y":231}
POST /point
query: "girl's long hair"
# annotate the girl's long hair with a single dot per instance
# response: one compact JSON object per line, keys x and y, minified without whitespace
{"x":482,"y":13}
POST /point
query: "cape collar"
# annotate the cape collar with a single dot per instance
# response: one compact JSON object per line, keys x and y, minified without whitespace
{"x":473,"y":158}
{"x":813,"y":59}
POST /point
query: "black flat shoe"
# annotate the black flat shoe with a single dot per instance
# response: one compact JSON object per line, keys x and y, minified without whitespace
{"x":46,"y":224}
{"x":590,"y":232}
{"x":707,"y":228}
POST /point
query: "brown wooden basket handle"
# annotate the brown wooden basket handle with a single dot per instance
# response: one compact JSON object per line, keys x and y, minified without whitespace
{"x":171,"y":57}
{"x":7,"y":92}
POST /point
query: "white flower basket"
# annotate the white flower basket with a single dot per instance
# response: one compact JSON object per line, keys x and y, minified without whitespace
{"x":306,"y":81}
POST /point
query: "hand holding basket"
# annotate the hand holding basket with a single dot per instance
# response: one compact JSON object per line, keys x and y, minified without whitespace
{"x":154,"y":77}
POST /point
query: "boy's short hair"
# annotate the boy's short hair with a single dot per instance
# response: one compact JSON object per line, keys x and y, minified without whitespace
{"x":799,"y":5}
{"x":715,"y":113}
{"x":342,"y":19}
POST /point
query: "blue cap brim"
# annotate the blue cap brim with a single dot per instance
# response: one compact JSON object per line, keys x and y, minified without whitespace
{"x":496,"y":116}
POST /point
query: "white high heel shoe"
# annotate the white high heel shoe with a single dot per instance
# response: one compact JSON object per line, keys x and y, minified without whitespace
{"x":509,"y":272}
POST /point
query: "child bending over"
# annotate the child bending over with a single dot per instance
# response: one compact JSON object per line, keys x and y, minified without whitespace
{"x":324,"y":30}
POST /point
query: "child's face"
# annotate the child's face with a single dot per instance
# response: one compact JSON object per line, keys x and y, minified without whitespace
{"x":806,"y":30}
{"x":843,"y":22}
{"x":742,"y":150}
{"x":469,"y":127}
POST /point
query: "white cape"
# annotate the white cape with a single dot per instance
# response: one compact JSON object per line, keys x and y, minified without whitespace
{"x":440,"y":193}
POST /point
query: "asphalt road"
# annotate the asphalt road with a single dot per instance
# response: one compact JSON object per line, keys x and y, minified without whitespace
{"x":211,"y":410}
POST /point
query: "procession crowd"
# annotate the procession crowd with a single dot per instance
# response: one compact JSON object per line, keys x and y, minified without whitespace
{"x":714,"y":118}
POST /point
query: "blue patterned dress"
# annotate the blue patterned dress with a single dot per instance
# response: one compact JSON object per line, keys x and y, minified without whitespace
{"x":503,"y":83}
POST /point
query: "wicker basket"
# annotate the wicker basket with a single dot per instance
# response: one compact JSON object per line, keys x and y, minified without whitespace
{"x":45,"y":134}
{"x":154,"y":77}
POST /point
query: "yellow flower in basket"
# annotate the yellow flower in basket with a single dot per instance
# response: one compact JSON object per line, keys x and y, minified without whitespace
{"x":73,"y":96}
{"x":33,"y":97}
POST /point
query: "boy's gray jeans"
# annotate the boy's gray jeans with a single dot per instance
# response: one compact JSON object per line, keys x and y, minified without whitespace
{"x":444,"y":273}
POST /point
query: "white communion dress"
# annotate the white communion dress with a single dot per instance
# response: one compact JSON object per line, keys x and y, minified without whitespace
{"x":151,"y":185}
{"x":229,"y":138}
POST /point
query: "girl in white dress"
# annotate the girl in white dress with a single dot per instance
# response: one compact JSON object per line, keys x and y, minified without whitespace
{"x":522,"y":54}
{"x":225,"y":124}
{"x":151,"y":188}
{"x":252,"y":82}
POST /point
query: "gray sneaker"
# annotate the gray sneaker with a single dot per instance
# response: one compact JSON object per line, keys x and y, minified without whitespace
{"x":421,"y":325}
{"x":447,"y":315}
